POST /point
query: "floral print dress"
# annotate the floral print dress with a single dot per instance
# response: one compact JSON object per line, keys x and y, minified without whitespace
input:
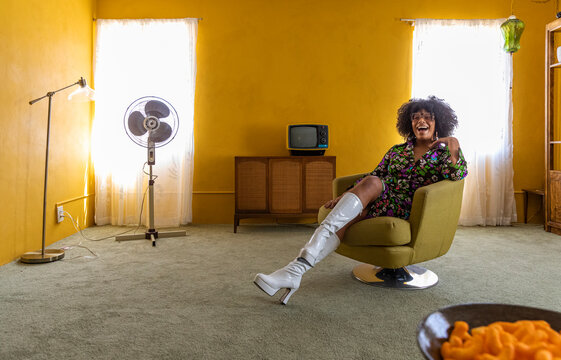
{"x":402,"y":175}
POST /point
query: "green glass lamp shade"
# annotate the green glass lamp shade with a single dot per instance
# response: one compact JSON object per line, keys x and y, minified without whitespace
{"x":512,"y":30}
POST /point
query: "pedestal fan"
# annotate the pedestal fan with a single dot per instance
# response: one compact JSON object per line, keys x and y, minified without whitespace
{"x":151,"y":122}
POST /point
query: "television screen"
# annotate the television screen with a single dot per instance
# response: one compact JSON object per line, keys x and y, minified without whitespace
{"x":303,"y":137}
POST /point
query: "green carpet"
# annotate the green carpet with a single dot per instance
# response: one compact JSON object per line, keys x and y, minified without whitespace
{"x":193,"y":297}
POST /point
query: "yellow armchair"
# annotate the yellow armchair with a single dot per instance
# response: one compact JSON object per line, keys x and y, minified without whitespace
{"x":390,"y":246}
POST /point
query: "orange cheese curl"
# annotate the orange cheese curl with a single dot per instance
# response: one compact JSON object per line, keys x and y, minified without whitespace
{"x":521,"y":340}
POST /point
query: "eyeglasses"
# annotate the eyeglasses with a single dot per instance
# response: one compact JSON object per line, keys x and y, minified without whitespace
{"x":417,"y":116}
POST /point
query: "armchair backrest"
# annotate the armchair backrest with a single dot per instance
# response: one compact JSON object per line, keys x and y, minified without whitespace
{"x":434,"y":218}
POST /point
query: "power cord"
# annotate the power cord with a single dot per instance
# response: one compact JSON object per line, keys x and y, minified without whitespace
{"x":80,"y":244}
{"x":80,"y":230}
{"x":154,"y":177}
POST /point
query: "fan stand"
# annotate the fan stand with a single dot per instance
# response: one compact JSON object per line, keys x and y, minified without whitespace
{"x":151,"y":233}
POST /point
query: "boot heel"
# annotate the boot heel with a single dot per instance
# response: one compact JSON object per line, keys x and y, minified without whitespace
{"x":261,"y":284}
{"x":287,"y":295}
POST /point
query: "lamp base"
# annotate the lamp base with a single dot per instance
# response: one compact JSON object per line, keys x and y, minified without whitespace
{"x":36,"y":257}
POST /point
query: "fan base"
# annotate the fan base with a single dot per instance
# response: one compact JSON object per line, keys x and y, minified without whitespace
{"x":36,"y":257}
{"x":151,"y":235}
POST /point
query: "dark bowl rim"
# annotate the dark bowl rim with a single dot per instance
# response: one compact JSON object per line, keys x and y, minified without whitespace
{"x":419,"y":326}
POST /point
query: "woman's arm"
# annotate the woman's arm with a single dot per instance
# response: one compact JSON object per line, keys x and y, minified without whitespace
{"x":453,"y":146}
{"x":454,"y":166}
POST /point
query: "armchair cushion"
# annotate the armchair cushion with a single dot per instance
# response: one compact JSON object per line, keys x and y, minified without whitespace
{"x":380,"y":231}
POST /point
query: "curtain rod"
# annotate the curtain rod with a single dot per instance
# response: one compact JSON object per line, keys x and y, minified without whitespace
{"x":413,"y":20}
{"x":200,"y":19}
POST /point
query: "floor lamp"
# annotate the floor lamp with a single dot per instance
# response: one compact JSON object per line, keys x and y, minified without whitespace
{"x":49,"y":255}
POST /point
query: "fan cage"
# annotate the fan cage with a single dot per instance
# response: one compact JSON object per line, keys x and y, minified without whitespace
{"x":139,"y":105}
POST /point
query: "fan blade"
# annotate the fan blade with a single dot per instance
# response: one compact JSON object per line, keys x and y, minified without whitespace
{"x":136,"y":123}
{"x":156,"y":108}
{"x":161,"y":134}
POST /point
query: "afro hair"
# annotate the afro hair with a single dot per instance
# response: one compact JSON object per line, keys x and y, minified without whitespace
{"x":446,"y":120}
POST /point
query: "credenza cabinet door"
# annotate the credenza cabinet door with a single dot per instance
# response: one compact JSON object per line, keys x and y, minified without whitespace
{"x":251,"y":184}
{"x":318,"y":177}
{"x":285,"y":185}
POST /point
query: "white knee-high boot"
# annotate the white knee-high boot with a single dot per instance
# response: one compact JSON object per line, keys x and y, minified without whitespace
{"x":323,"y":242}
{"x":346,"y":210}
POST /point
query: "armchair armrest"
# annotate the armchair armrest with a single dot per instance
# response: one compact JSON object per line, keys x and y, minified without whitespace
{"x":341,"y":184}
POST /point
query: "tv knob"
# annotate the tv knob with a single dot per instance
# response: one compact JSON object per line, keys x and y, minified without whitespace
{"x":323,"y":140}
{"x":322,"y":133}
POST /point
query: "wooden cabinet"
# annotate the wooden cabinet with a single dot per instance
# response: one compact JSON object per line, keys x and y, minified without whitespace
{"x":552,"y":198}
{"x":275,"y":186}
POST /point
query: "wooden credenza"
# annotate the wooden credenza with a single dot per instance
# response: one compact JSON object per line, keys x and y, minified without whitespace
{"x":277,"y":186}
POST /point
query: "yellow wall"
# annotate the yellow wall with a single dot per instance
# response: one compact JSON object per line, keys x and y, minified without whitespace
{"x":529,"y":104}
{"x":264,"y":64}
{"x":261,"y":65}
{"x":46,"y":45}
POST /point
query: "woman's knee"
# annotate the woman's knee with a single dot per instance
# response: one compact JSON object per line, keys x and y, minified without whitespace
{"x":368,"y":189}
{"x":372,"y":183}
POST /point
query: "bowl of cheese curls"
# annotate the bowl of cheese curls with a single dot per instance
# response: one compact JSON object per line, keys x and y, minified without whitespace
{"x":490,"y":332}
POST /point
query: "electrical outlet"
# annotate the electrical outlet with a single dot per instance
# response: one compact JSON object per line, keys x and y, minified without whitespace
{"x":59,"y":214}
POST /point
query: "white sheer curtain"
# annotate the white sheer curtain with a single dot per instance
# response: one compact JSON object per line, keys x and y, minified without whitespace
{"x":462,"y":61}
{"x":137,"y":58}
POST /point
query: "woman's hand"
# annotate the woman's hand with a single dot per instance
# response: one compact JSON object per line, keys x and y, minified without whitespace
{"x":331,"y":203}
{"x":453,"y":145}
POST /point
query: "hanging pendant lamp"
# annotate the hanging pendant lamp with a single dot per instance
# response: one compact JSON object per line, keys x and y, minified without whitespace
{"x":512,"y":30}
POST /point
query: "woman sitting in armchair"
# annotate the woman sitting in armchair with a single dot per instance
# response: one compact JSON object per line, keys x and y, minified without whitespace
{"x":425,"y":158}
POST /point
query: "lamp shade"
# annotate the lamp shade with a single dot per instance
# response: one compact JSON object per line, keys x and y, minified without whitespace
{"x":512,"y":30}
{"x":83,"y":93}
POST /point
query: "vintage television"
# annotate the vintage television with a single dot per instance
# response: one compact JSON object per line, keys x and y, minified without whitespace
{"x":307,"y":139}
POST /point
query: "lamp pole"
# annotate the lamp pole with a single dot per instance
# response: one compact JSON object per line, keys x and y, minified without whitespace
{"x":49,"y":255}
{"x":50,"y":95}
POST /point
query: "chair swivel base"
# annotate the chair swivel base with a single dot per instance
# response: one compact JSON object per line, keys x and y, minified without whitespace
{"x":410,"y":277}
